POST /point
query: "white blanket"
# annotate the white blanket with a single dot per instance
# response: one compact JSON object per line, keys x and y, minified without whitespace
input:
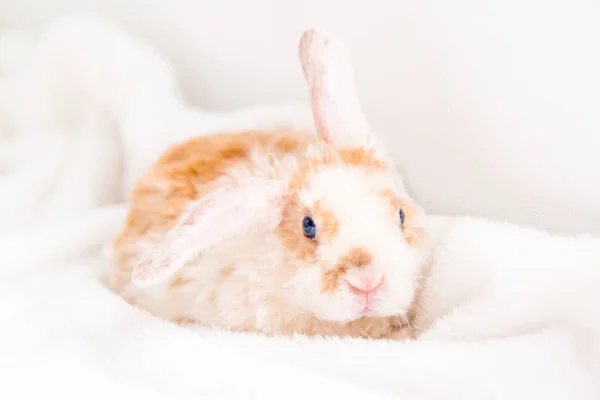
{"x":84,"y":108}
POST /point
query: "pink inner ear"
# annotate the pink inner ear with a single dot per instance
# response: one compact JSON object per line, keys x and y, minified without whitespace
{"x":251,"y":206}
{"x":328,"y":71}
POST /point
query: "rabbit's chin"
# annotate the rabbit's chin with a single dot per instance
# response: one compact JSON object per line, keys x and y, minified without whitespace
{"x":343,"y":306}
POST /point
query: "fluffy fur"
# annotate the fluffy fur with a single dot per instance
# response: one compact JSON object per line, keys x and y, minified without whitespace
{"x":215,"y":231}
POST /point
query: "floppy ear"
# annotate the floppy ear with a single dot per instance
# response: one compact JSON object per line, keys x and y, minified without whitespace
{"x":328,"y":71}
{"x":250,"y":206}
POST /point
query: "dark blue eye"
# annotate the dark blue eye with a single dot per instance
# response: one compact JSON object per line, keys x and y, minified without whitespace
{"x":309,"y":228}
{"x":401,"y":215}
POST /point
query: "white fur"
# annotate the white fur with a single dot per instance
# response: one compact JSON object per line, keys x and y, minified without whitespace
{"x":365,"y":221}
{"x":63,"y":333}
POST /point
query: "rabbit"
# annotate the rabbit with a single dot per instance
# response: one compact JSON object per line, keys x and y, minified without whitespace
{"x":279,"y":232}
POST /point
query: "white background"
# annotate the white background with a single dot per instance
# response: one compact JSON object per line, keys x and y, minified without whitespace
{"x":491,"y":107}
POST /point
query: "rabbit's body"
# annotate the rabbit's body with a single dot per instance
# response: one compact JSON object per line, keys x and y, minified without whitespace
{"x":279,"y":232}
{"x":241,"y":283}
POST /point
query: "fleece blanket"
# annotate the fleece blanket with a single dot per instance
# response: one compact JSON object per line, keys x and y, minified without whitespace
{"x":84,"y":108}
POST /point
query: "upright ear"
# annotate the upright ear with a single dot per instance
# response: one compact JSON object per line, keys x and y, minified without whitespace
{"x":328,"y":71}
{"x":251,"y":206}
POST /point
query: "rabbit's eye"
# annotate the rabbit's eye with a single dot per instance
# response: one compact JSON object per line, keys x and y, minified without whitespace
{"x":309,"y":228}
{"x":401,"y":215}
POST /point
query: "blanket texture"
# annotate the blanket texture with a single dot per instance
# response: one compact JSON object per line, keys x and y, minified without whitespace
{"x":84,"y":109}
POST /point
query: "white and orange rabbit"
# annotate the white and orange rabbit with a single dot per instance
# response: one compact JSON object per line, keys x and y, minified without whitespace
{"x":279,"y":232}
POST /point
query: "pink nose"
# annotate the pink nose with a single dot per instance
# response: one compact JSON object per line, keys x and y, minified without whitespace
{"x":365,"y":287}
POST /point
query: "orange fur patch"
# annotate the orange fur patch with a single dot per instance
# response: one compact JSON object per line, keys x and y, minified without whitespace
{"x":224,"y":274}
{"x":390,"y":197}
{"x":328,"y":225}
{"x":355,"y":258}
{"x":357,"y":157}
{"x":290,"y":230}
{"x":291,"y":235}
{"x":414,"y":233}
{"x":360,"y":157}
{"x":178,"y":283}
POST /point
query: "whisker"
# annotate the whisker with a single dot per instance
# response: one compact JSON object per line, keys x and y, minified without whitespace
{"x":407,"y":322}
{"x":398,"y":320}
